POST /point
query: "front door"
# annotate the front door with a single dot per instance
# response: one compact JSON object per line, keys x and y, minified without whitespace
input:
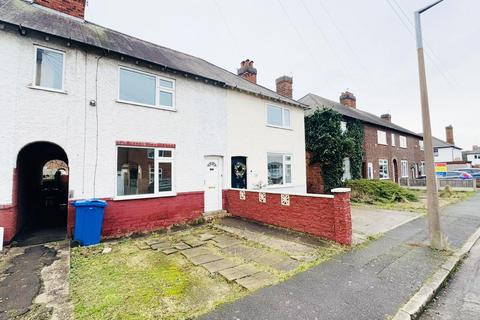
{"x":239,"y":172}
{"x":213,"y":184}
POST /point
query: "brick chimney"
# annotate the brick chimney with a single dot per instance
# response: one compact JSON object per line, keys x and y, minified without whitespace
{"x":449,"y":133}
{"x":74,"y":8}
{"x":348,"y":99}
{"x":475,"y":147}
{"x":247,"y":71}
{"x":284,"y":86}
{"x":386,"y":117}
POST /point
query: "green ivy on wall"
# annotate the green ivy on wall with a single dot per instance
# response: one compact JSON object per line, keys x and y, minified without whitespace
{"x":329,"y":146}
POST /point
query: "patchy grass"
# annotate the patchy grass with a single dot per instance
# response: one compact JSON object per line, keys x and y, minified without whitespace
{"x":420,"y":205}
{"x":130,"y":283}
{"x":134,"y":283}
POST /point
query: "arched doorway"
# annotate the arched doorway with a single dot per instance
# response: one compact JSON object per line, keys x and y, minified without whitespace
{"x":42,"y":192}
{"x":395,"y":170}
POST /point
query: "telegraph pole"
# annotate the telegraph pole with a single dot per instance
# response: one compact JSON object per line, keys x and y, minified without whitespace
{"x":437,"y":239}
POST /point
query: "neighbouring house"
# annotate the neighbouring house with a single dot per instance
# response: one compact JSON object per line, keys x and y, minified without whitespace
{"x":472,"y":156}
{"x":446,"y":151}
{"x":159,"y":134}
{"x":390,"y":151}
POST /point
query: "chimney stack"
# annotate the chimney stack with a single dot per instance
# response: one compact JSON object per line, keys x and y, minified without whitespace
{"x":386,"y":117}
{"x":284,"y":86}
{"x":348,"y":99}
{"x":449,"y":133}
{"x":247,"y":71}
{"x":74,"y":8}
{"x":475,"y":147}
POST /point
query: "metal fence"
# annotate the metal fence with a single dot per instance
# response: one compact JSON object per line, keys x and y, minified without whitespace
{"x":459,"y":184}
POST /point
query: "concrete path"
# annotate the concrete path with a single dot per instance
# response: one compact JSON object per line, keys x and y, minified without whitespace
{"x":371,"y":222}
{"x":34,"y":281}
{"x":460,"y":299}
{"x":368,"y":283}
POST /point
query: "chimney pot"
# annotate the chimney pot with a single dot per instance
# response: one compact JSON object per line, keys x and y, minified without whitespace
{"x":348,"y":99}
{"x":247,"y":71}
{"x":74,"y":8}
{"x":285,"y":86}
{"x":449,"y":134}
{"x":386,"y":117}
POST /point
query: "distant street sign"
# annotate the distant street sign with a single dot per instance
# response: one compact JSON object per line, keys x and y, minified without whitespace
{"x":441,"y":169}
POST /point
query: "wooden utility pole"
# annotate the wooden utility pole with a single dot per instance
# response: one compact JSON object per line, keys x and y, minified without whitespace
{"x":437,"y":239}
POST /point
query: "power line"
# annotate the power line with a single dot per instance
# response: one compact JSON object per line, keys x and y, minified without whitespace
{"x":413,"y":36}
{"x":227,"y":26}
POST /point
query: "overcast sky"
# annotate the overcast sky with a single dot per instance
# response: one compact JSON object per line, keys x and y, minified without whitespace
{"x":328,"y":46}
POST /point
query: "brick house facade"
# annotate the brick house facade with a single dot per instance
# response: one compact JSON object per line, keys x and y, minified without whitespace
{"x":390,"y":151}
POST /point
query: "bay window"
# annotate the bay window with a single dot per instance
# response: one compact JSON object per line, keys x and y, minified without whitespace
{"x":144,"y":172}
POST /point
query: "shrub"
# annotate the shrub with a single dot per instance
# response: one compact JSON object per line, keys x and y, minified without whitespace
{"x":384,"y":191}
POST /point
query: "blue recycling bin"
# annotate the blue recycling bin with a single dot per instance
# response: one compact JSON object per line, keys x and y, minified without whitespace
{"x":88,"y":221}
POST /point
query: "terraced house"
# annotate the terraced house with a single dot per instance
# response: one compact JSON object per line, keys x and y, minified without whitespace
{"x":390,"y":151}
{"x":157,"y":133}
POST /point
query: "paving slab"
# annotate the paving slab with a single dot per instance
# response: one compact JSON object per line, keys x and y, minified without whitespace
{"x":204,"y":258}
{"x":193,"y":242}
{"x":219,"y":265}
{"x":153,"y":241}
{"x":238,"y":272}
{"x":196,"y":252}
{"x":257,"y":281}
{"x":161,"y":246}
{"x":241,"y":250}
{"x":169,"y":251}
{"x":181,"y":246}
{"x":206,"y":236}
{"x":224,"y":241}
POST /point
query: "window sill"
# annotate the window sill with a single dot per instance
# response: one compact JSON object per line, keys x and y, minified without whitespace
{"x":279,"y":186}
{"x":47,"y":89}
{"x":145,"y":196}
{"x":279,"y":127}
{"x":146,"y":105}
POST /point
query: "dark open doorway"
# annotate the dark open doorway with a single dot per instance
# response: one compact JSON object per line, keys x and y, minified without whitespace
{"x":42,"y":192}
{"x":395,"y":170}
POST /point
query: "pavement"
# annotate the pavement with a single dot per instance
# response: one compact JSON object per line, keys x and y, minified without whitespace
{"x":371,"y":282}
{"x":368,"y":222}
{"x":460,"y":298}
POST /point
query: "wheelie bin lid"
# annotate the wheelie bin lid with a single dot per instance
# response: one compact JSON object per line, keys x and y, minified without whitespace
{"x":89,"y":203}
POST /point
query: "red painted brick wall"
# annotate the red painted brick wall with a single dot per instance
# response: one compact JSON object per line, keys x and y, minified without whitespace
{"x":8,"y":220}
{"x":74,"y":8}
{"x":128,"y":216}
{"x":322,"y":217}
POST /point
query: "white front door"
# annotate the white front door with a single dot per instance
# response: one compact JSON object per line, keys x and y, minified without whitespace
{"x":213,"y":184}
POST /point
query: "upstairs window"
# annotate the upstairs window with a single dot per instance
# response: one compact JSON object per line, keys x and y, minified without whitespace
{"x":278,"y":117}
{"x":393,"y":139}
{"x":49,"y":69}
{"x":343,"y":126}
{"x":403,"y":142}
{"x":146,"y":89}
{"x":420,"y":143}
{"x":381,"y":137}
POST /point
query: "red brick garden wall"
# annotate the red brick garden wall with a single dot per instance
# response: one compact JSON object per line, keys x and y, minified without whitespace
{"x":322,"y":216}
{"x":124,"y":217}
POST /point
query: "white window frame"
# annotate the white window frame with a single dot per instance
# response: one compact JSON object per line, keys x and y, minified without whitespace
{"x":422,"y":169}
{"x":382,"y":134}
{"x":156,"y":161}
{"x":383,"y":162}
{"x":343,"y":126}
{"x":284,"y":164}
{"x":158,"y":88}
{"x":347,"y":175}
{"x":405,"y":144}
{"x":421,"y":144}
{"x":370,"y":171}
{"x":393,"y":139}
{"x":404,"y":169}
{"x":34,"y":85}
{"x":283,"y":126}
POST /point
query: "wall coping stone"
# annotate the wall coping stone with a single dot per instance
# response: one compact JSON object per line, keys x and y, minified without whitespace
{"x":341,"y":190}
{"x":329,"y":196}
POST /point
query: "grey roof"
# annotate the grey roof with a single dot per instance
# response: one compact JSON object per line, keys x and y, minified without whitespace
{"x":18,"y":12}
{"x":316,"y":102}
{"x":437,"y":143}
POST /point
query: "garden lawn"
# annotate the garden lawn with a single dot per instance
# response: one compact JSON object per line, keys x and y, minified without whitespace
{"x":130,"y":283}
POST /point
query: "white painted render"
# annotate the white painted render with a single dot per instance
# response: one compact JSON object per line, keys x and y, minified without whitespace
{"x":474,"y":159}
{"x":249,"y":136}
{"x":448,"y":155}
{"x":208,"y":120}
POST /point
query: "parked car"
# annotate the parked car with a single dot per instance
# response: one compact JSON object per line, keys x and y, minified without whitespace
{"x":475,"y":172}
{"x":457,"y":175}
